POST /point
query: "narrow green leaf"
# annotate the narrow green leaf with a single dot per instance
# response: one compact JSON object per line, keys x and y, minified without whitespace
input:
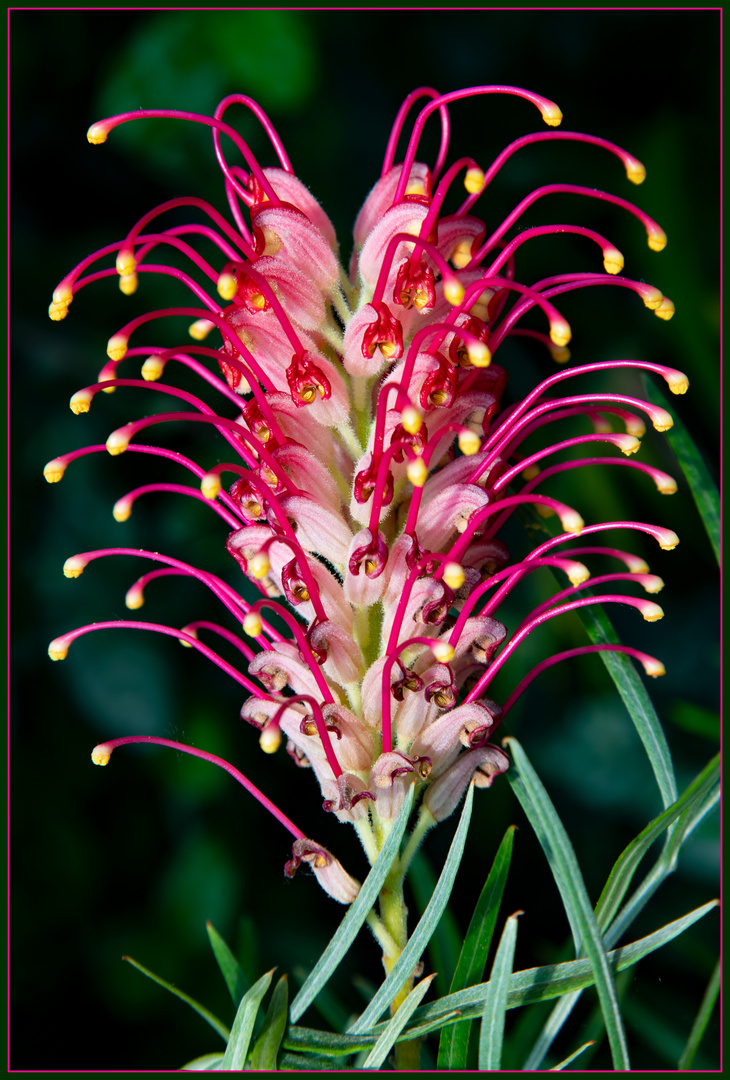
{"x":231,"y":970}
{"x":201,"y":1010}
{"x":701,"y":1020}
{"x":554,"y":980}
{"x":454,"y":1042}
{"x":428,"y":922}
{"x":387,"y":1040}
{"x":571,"y":1057}
{"x":206,"y":1063}
{"x":445,"y":945}
{"x":358,"y":912}
{"x":266,"y":1047}
{"x":636,"y":699}
{"x":627,"y":863}
{"x":702,"y":486}
{"x":495,"y":1001}
{"x":564,"y":865}
{"x":234,"y":1058}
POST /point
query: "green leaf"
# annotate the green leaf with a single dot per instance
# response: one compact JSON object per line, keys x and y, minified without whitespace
{"x":571,"y":1057}
{"x":428,"y":922}
{"x":554,"y":980}
{"x":701,"y":1020}
{"x":495,"y":1000}
{"x":358,"y":912}
{"x":234,"y":1058}
{"x":564,"y":865}
{"x":701,"y":485}
{"x":454,"y":1042}
{"x":214,"y":1022}
{"x":627,"y":863}
{"x":387,"y":1040}
{"x":636,"y":699}
{"x":206,"y":1063}
{"x":266,"y":1047}
{"x":231,"y":970}
{"x":444,"y":947}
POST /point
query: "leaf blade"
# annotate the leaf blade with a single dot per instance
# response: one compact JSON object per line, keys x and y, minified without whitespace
{"x":387,"y":1040}
{"x":234,"y":1058}
{"x":495,"y":1000}
{"x":201,"y":1010}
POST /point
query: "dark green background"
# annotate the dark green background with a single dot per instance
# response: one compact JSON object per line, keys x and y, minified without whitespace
{"x":133,"y":859}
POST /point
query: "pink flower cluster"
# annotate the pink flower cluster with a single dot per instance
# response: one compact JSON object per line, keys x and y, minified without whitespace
{"x":374,"y":460}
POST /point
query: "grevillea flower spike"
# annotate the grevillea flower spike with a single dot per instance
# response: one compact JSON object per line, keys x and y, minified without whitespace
{"x":374,"y":459}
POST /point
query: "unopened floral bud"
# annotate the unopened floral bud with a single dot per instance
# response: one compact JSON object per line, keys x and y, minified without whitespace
{"x":58,"y":649}
{"x":122,"y":509}
{"x":661,"y":419}
{"x":474,"y":180}
{"x":259,"y":565}
{"x":411,"y":420}
{"x":134,"y":598}
{"x":469,"y":442}
{"x":270,"y":738}
{"x":653,"y":668}
{"x":152,"y":369}
{"x":118,"y":441}
{"x":80,"y":401}
{"x":53,"y":471}
{"x":443,"y":651}
{"x":200,"y":329}
{"x":117,"y":347}
{"x":665,"y":310}
{"x":227,"y":287}
{"x":657,"y":238}
{"x":560,"y":332}
{"x":613,"y":260}
{"x":677,"y":381}
{"x":210,"y":485}
{"x":57,"y":311}
{"x":454,"y":575}
{"x":129,"y":284}
{"x":571,"y":520}
{"x":417,"y":472}
{"x":627,"y":444}
{"x":126,"y":262}
{"x":479,"y":355}
{"x":101,"y":754}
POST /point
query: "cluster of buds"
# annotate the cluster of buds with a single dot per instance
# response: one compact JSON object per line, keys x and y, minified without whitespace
{"x":374,"y":461}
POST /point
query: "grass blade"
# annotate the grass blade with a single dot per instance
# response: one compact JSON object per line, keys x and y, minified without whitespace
{"x":627,"y":863}
{"x":636,"y":699}
{"x":234,"y":1058}
{"x":206,"y":1063}
{"x":495,"y":1002}
{"x":231,"y":970}
{"x":570,"y":1057}
{"x":356,"y":915}
{"x":201,"y":1010}
{"x":445,"y":945}
{"x":428,"y":922}
{"x":701,"y":485}
{"x":564,"y":865}
{"x":454,"y":1042}
{"x":701,"y":1020}
{"x":387,"y":1040}
{"x":266,"y":1047}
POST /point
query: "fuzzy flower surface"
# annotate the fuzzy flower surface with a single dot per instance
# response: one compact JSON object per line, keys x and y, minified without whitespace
{"x":372,"y":455}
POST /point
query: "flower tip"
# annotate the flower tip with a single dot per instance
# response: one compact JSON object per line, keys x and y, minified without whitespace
{"x":227,"y":286}
{"x":80,"y":402}
{"x":665,"y":310}
{"x":560,"y":355}
{"x":411,"y":420}
{"x":117,"y":442}
{"x":661,"y":419}
{"x":134,"y":598}
{"x":653,"y":668}
{"x":443,"y":651}
{"x":200,"y":329}
{"x":551,"y":113}
{"x":63,"y":294}
{"x":677,"y":382}
{"x":97,"y":133}
{"x":577,"y":573}
{"x":128,"y":284}
{"x":651,"y":611}
{"x":474,"y":180}
{"x":453,"y":291}
{"x":270,"y":738}
{"x":454,"y":575}
{"x":668,"y":540}
{"x":657,"y":239}
{"x":117,"y":347}
{"x":571,"y":521}
{"x":58,"y":649}
{"x":126,"y":262}
{"x":74,"y":567}
{"x":122,"y":510}
{"x":613,"y":260}
{"x":652,"y":583}
{"x":210,"y":485}
{"x":417,"y":472}
{"x":666,"y":484}
{"x":635,"y":171}
{"x":191,"y":632}
{"x":628,"y":444}
{"x":651,"y":296}
{"x":479,"y":355}
{"x":108,"y":372}
{"x":252,"y":624}
{"x":152,"y":369}
{"x":560,"y":332}
{"x":469,"y":442}
{"x":259,"y":565}
{"x":100,"y":754}
{"x":54,"y":470}
{"x":57,"y":311}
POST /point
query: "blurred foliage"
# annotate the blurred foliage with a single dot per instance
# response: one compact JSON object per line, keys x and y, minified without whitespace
{"x":134,"y":859}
